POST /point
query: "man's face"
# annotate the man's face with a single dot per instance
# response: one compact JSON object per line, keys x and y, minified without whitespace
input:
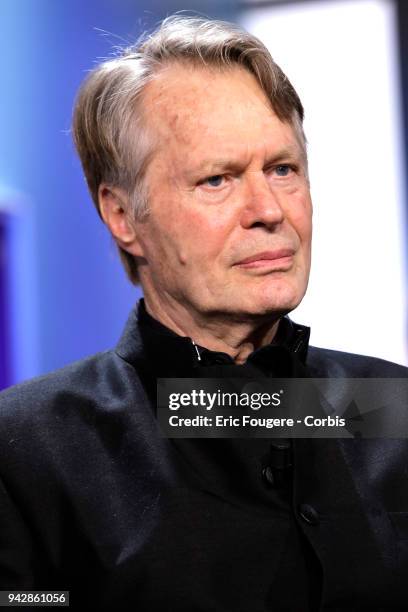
{"x":229,"y":229}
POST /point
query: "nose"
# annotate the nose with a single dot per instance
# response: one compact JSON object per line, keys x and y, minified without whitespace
{"x":262,"y":205}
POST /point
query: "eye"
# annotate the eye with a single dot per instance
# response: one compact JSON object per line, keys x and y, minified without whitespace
{"x":283,"y":170}
{"x":214,"y":181}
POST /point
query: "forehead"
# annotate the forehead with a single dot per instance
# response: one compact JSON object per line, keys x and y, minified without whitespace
{"x":205,"y":108}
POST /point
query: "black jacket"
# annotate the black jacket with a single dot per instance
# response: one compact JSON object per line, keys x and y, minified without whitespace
{"x":93,"y":500}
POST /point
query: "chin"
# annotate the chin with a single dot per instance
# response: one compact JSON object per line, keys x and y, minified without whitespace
{"x":267,"y":299}
{"x":261,"y":308}
{"x":277,"y":292}
{"x":278,"y":300}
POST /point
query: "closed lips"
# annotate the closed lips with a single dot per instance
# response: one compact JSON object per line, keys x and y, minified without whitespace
{"x":267,"y":255}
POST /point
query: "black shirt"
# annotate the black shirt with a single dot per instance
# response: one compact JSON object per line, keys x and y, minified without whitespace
{"x":239,"y":471}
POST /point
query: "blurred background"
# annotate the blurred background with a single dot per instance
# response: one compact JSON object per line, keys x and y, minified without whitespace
{"x":63,"y":293}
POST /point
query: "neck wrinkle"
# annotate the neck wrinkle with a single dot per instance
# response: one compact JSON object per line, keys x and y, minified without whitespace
{"x":236,"y":340}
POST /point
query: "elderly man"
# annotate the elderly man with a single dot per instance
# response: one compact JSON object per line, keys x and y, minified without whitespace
{"x":194,"y":153}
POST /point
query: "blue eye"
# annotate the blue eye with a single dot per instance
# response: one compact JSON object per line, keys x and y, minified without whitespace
{"x":214,"y":181}
{"x":283,"y":170}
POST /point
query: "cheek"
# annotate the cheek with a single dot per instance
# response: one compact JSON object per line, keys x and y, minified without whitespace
{"x":299,"y":215}
{"x":203,"y":234}
{"x":176,"y":242}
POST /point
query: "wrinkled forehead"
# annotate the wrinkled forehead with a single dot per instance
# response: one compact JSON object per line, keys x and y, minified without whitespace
{"x":194,"y":107}
{"x":182,"y":96}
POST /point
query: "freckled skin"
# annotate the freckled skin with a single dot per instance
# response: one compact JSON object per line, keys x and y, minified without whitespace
{"x":190,"y":244}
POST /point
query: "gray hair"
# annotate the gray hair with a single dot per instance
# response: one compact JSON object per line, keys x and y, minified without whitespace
{"x":109,"y":132}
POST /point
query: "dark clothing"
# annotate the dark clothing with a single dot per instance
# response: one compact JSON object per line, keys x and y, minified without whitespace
{"x":93,"y":499}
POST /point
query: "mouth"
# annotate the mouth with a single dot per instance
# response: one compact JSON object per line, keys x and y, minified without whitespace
{"x":281,"y":259}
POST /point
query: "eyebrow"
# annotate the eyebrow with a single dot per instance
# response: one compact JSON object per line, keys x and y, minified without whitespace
{"x":225,"y":164}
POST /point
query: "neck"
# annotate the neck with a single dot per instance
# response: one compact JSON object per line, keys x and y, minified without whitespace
{"x":236,"y":336}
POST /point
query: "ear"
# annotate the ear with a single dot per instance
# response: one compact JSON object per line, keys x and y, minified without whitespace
{"x":115,"y":211}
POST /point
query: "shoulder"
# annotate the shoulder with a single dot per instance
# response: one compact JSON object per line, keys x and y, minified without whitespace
{"x":89,"y":381}
{"x":329,"y":363}
{"x":57,"y":421}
